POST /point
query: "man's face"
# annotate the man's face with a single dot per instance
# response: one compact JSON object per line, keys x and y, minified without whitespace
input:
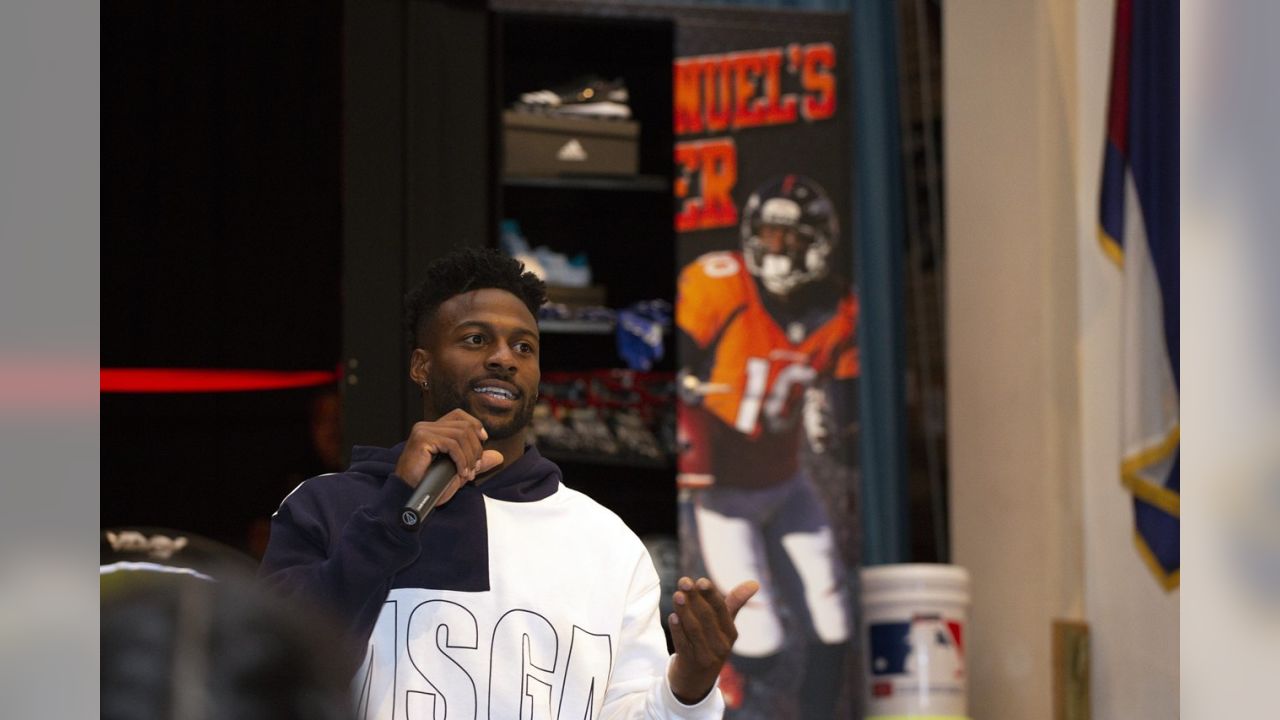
{"x":483,"y":358}
{"x":780,"y":240}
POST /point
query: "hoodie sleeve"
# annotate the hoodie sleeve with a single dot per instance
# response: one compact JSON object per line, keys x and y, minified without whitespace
{"x":345,"y":565}
{"x":638,"y":687}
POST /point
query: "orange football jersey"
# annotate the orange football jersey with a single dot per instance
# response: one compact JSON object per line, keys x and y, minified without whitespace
{"x":760,"y":368}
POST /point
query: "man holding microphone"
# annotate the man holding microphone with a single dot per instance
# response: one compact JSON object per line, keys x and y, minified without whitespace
{"x":517,"y":597}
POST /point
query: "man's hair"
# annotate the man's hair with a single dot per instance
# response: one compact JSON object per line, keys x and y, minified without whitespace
{"x":461,"y":272}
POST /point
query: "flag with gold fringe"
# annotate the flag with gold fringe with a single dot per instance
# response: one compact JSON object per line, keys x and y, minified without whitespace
{"x":1139,"y":233}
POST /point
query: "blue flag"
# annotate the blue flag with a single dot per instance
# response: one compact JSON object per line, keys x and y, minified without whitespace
{"x":1139,"y":232}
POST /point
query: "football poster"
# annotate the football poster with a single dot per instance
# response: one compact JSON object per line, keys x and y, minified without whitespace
{"x":766,"y":317}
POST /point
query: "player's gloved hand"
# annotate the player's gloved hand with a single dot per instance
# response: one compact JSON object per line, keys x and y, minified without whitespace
{"x":456,"y":434}
{"x":818,"y":419}
{"x":688,"y":387}
{"x":703,"y":632}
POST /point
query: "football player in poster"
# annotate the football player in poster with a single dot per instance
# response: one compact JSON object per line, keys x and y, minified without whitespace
{"x":768,"y":362}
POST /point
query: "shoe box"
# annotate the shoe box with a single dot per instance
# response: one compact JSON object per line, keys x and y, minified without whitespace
{"x":590,"y":295}
{"x":542,"y":145}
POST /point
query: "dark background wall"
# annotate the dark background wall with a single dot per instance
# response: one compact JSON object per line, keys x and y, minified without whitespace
{"x":221,"y":248}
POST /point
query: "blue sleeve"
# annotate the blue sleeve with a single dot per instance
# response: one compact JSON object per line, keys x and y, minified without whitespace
{"x":344,"y":565}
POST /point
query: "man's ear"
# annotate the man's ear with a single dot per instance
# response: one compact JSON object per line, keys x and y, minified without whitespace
{"x":419,"y":366}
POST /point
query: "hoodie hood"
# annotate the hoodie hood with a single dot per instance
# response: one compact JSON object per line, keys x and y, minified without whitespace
{"x":454,"y":538}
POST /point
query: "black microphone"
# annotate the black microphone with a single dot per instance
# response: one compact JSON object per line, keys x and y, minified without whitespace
{"x":423,"y":499}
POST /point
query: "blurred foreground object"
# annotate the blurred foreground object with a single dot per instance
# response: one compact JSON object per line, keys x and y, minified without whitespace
{"x":187,"y":634}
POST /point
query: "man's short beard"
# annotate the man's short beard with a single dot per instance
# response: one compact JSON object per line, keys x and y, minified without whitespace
{"x":445,"y":400}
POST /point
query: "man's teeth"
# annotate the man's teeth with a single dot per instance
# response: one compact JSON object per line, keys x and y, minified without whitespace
{"x":496,"y":392}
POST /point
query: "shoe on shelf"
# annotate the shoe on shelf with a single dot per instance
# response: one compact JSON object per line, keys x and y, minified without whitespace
{"x":590,"y":96}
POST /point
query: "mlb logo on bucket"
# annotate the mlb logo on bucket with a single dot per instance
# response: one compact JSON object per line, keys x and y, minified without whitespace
{"x":928,"y":645}
{"x":914,"y":639}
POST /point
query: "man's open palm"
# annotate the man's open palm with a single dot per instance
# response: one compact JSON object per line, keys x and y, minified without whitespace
{"x":703,"y":633}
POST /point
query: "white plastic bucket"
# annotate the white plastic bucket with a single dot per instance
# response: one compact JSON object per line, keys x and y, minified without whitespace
{"x":914,"y":632}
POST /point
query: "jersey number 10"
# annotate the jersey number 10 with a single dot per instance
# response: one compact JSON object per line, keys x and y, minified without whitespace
{"x":758,"y":395}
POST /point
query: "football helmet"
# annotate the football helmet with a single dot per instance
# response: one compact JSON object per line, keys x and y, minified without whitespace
{"x":789,"y":229}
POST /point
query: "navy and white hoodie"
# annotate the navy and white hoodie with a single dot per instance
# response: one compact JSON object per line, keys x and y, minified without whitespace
{"x":520,"y":598}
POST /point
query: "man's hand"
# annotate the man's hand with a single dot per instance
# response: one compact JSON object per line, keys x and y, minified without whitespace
{"x":703,"y":632}
{"x":458,"y":435}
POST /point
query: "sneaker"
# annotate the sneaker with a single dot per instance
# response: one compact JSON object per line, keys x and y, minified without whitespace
{"x":639,"y":340}
{"x":549,"y":433}
{"x":634,"y":436}
{"x":586,"y":97}
{"x":593,"y":434}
